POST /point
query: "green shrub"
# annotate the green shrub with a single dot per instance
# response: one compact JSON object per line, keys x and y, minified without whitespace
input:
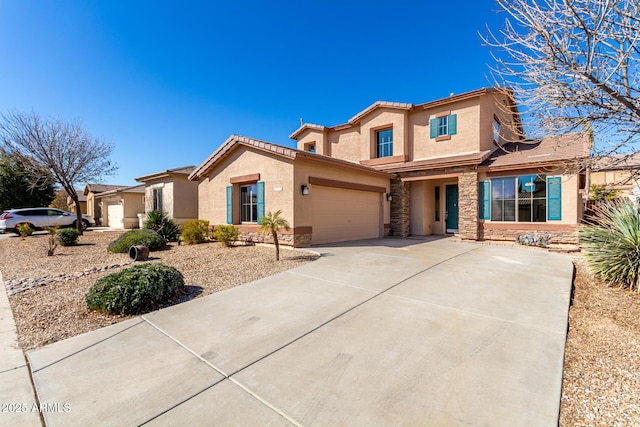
{"x":160,"y":222}
{"x":24,"y":229}
{"x":611,"y":243}
{"x":135,"y":289}
{"x":67,"y":236}
{"x":226,"y":234}
{"x":195,"y":231}
{"x":147,"y":238}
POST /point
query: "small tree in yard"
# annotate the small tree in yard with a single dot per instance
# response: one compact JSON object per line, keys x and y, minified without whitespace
{"x":273,"y":223}
{"x":54,"y":150}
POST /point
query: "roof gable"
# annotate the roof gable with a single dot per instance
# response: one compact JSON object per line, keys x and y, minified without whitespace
{"x":185,"y":170}
{"x":285,"y":152}
{"x":546,"y":151}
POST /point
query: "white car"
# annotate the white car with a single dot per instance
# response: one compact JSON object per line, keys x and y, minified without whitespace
{"x":38,"y":218}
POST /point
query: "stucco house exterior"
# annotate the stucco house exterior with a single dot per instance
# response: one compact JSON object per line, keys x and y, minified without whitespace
{"x":621,"y":172}
{"x":93,"y":207}
{"x":120,"y":207}
{"x":82,"y":200}
{"x":171,"y":191}
{"x":457,"y":165}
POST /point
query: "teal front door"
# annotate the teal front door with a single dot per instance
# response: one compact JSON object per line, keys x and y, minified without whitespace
{"x":452,"y":208}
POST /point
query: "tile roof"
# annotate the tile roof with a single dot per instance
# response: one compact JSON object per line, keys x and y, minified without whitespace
{"x":468,"y":159}
{"x":279,"y":150}
{"x":616,"y":162}
{"x":133,"y":189}
{"x":100,"y":188}
{"x":304,"y":127}
{"x":185,"y":170}
{"x":547,"y":151}
{"x":401,"y":106}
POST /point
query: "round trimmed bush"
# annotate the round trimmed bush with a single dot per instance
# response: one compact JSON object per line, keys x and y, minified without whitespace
{"x":67,"y":236}
{"x":195,"y":231}
{"x":135,"y":289}
{"x":143,"y":237}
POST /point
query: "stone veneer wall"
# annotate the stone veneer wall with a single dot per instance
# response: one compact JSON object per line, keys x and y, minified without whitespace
{"x":563,"y":234}
{"x":288,"y":238}
{"x":400,"y":209}
{"x":468,"y":205}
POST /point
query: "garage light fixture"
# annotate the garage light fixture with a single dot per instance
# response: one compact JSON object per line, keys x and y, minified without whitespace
{"x":389,"y":197}
{"x":305,"y":189}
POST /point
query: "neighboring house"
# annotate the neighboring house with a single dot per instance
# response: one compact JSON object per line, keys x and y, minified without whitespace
{"x":455,"y":165}
{"x":120,"y":207}
{"x":618,"y":173}
{"x":171,"y":191}
{"x":93,"y":207}
{"x":82,"y":199}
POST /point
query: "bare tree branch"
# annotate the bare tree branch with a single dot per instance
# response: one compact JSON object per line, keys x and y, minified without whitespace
{"x":572,"y":65}
{"x":53,"y":148}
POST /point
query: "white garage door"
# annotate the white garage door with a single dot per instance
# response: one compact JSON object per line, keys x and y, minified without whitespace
{"x":115,"y":215}
{"x":340,"y":215}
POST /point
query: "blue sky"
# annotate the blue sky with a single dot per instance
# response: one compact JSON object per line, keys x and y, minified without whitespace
{"x":167,"y":82}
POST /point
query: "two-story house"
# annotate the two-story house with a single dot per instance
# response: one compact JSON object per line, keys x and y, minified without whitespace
{"x":455,"y":165}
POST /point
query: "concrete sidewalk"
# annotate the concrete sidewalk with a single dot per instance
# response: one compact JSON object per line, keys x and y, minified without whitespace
{"x":374,"y":333}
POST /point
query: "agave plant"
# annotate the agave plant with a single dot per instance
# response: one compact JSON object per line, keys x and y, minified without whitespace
{"x":611,"y":243}
{"x":162,"y":224}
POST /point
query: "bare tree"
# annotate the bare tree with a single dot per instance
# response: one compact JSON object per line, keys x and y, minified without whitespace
{"x":53,"y":148}
{"x":573,"y":65}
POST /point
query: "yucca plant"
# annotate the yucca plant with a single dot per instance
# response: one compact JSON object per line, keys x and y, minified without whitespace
{"x":611,"y":242}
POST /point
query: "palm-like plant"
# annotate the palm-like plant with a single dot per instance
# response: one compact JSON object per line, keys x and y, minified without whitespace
{"x":273,"y":223}
{"x":611,"y":243}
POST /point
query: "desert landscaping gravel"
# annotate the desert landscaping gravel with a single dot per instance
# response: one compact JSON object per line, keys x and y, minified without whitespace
{"x":54,"y":312}
{"x":601,"y":383}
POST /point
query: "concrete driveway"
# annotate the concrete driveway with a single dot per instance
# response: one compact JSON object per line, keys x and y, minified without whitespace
{"x":380,"y":332}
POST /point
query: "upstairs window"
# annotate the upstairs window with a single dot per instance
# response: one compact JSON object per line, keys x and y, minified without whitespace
{"x":443,"y":126}
{"x":384,"y":143}
{"x":310,"y":147}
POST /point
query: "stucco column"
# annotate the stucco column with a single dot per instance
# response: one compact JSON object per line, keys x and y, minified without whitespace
{"x":400,"y":208}
{"x":468,"y":205}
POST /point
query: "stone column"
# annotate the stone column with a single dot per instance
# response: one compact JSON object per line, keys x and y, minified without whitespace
{"x":468,"y":205}
{"x":400,"y":208}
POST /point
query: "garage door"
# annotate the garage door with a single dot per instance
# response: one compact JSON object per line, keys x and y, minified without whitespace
{"x":339,"y":215}
{"x":114,"y":215}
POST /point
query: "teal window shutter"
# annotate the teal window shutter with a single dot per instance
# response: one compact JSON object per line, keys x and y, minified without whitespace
{"x":434,"y":128}
{"x":452,"y":124}
{"x":230,"y":204}
{"x":260,"y":201}
{"x":554,"y":198}
{"x":484,"y":199}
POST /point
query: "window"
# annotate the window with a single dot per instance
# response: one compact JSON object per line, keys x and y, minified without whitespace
{"x":249,"y":203}
{"x":496,"y":129}
{"x":443,"y":126}
{"x":157,"y":199}
{"x":310,"y":147}
{"x":521,"y":199}
{"x":384,"y":143}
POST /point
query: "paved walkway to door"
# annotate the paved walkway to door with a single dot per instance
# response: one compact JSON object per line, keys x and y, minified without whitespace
{"x":378,"y":332}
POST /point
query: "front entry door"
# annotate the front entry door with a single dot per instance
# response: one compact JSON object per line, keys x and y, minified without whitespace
{"x":452,"y":208}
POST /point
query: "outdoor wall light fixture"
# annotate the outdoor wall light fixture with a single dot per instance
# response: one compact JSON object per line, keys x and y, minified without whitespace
{"x":389,"y":197}
{"x":305,"y":189}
